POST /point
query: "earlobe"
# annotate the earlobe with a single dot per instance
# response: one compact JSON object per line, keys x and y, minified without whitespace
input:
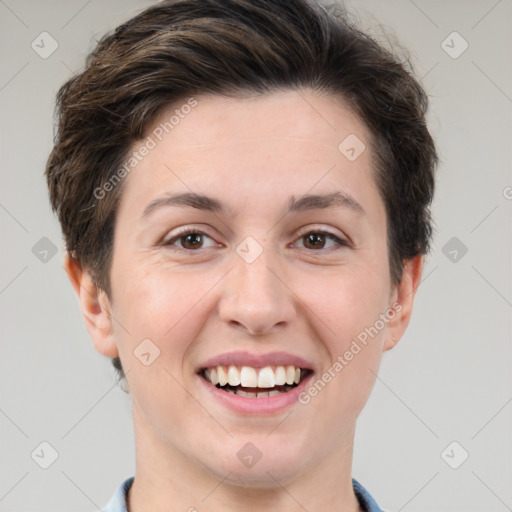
{"x":403,"y":298}
{"x":95,"y":307}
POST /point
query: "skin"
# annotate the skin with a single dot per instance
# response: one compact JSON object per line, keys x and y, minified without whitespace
{"x":252,"y":154}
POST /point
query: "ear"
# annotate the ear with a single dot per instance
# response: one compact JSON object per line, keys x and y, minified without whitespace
{"x":402,"y":300}
{"x":95,"y":307}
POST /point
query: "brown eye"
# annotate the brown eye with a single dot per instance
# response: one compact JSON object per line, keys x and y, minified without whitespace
{"x":194,"y":239}
{"x":317,"y":239}
{"x":314,"y":241}
{"x":190,"y":239}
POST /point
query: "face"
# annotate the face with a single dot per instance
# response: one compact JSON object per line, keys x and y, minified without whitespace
{"x":265,"y":280}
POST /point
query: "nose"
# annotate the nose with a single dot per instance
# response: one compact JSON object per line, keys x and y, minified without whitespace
{"x":256,"y":297}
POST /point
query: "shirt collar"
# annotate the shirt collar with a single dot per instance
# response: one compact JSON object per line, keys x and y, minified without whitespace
{"x":118,"y":502}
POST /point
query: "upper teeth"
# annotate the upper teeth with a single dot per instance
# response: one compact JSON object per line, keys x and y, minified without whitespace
{"x":249,"y":377}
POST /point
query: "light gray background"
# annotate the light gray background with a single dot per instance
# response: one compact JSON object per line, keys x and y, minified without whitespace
{"x":447,"y":380}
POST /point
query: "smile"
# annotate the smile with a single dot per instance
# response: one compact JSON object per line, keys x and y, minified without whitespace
{"x":253,"y":382}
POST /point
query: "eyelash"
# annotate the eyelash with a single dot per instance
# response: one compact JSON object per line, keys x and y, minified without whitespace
{"x":192,"y":230}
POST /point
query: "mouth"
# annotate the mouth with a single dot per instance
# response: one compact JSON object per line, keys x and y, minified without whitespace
{"x":254,"y":382}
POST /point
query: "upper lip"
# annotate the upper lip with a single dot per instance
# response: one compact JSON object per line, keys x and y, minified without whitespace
{"x":240,"y":358}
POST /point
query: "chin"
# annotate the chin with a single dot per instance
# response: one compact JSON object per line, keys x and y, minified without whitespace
{"x":259,"y":462}
{"x":262,"y":474}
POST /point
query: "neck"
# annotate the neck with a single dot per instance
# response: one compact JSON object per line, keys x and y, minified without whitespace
{"x":166,"y":479}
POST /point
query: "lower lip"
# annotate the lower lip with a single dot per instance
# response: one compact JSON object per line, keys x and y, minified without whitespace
{"x":263,"y":405}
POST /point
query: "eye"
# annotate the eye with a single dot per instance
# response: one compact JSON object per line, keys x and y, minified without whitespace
{"x":190,"y":238}
{"x":316,"y":239}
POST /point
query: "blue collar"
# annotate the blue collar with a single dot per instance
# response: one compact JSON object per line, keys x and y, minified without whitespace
{"x":118,"y":500}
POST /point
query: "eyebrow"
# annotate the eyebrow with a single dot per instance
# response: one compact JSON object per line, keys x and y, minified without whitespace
{"x":304,"y":203}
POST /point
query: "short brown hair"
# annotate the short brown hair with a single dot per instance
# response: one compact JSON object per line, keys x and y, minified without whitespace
{"x":180,"y":48}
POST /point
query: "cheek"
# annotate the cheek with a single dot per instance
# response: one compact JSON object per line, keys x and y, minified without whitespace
{"x":349,"y":299}
{"x":160,"y":312}
{"x":356,"y":347}
{"x":351,"y":305}
{"x":154,"y":294}
{"x":163,"y":306}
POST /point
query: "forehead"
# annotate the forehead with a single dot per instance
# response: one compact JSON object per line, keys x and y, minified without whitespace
{"x":282,"y":143}
{"x":286,"y":113}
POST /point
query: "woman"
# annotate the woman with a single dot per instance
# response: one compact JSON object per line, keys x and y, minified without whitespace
{"x":244,"y":191}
